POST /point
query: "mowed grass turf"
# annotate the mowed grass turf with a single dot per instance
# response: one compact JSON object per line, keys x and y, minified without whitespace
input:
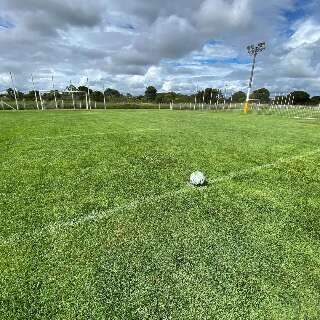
{"x":98,"y":220}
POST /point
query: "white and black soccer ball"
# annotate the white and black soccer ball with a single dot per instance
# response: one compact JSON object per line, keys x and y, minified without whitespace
{"x":197,"y":179}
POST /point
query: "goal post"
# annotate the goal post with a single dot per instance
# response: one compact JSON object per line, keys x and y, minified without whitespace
{"x":74,"y":94}
{"x":14,"y":91}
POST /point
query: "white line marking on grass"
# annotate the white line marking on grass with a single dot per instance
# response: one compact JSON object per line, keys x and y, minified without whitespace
{"x":305,"y":118}
{"x":56,"y":227}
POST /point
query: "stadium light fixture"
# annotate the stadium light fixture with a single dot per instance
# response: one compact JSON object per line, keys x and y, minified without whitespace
{"x":253,"y":51}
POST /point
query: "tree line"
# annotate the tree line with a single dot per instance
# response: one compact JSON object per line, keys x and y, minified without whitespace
{"x":151,"y":95}
{"x":212,"y":96}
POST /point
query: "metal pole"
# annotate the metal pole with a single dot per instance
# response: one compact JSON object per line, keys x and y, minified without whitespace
{"x":89,"y":100}
{"x":14,"y":91}
{"x":54,"y":94}
{"x":72,"y":96}
{"x":41,"y":101}
{"x":203,"y":99}
{"x":282,"y":97}
{"x":246,"y":105}
{"x":196,"y":98}
{"x":87,"y":104}
{"x":104,"y":98}
{"x":35,"y":92}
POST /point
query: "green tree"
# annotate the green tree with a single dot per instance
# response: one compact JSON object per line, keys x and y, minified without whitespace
{"x":160,"y":98}
{"x":300,"y":97}
{"x":315,"y":101}
{"x":208,"y":95}
{"x":84,"y":89}
{"x":20,"y":95}
{"x":166,"y":97}
{"x":71,"y":87}
{"x":10,"y":93}
{"x":216,"y":95}
{"x":48,"y":95}
{"x":112,"y":93}
{"x":31,"y":95}
{"x":262,"y":94}
{"x":151,"y":93}
{"x":200,"y":96}
{"x":239,"y":97}
{"x":97,"y":96}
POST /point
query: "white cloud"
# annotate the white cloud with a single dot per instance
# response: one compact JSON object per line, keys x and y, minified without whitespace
{"x":300,"y":58}
{"x":129,"y":44}
{"x":219,"y":16}
{"x":215,"y":51}
{"x":307,"y":34}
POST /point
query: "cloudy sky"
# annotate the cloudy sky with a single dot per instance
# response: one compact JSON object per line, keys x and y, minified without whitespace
{"x":171,"y":44}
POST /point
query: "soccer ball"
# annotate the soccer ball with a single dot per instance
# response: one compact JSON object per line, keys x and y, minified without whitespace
{"x":197,"y":178}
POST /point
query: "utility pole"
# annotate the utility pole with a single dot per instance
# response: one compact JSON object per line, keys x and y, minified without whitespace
{"x":253,"y":51}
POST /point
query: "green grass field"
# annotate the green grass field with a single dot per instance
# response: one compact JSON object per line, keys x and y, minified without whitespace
{"x":98,"y":220}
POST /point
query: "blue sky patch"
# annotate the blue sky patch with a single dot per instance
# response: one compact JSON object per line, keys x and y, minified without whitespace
{"x":224,"y":61}
{"x":294,"y":15}
{"x":4,"y":23}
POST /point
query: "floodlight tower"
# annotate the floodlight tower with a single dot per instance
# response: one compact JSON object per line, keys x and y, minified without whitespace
{"x":253,"y":51}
